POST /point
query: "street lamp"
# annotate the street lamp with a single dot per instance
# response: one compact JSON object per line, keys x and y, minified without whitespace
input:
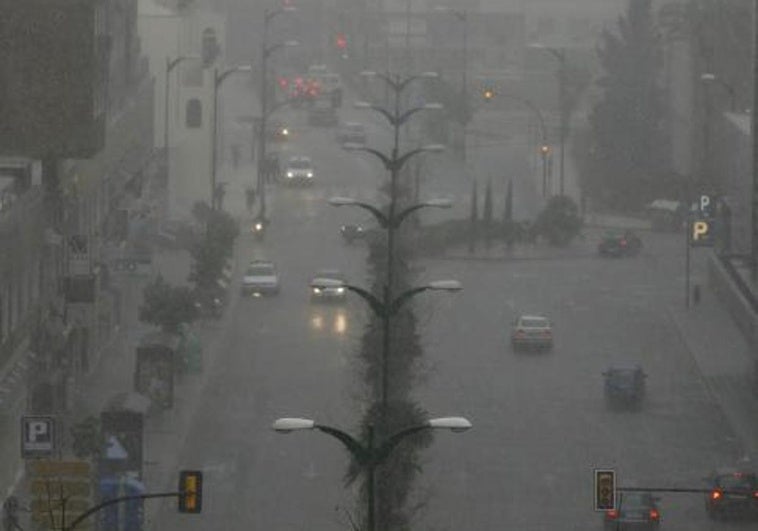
{"x":219,"y":78}
{"x":544,"y":146}
{"x":462,"y":17}
{"x":713,"y":78}
{"x":170,"y":65}
{"x":266,"y":51}
{"x":560,"y":55}
{"x":369,"y":456}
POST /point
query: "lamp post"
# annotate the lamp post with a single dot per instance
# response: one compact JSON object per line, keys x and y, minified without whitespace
{"x":560,"y":55}
{"x":713,"y":78}
{"x":266,"y":51}
{"x":544,"y":146}
{"x":170,"y":65}
{"x":462,"y":17}
{"x":369,"y":456}
{"x":219,"y":78}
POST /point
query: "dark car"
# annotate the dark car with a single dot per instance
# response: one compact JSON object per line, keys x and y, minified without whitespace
{"x":625,"y":384}
{"x":732,"y":494}
{"x":635,"y":511}
{"x":352,"y":232}
{"x":619,"y":244}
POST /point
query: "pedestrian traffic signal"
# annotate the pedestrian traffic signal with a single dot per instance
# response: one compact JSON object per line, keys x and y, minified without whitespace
{"x":605,"y":490}
{"x":488,"y":94}
{"x":190,"y":491}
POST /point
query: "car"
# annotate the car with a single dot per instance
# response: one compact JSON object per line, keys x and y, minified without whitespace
{"x":618,"y":244}
{"x":299,"y":170}
{"x":328,"y":285}
{"x":732,"y":493}
{"x":351,"y":133}
{"x":261,"y":278}
{"x":278,"y":132}
{"x":625,"y":384}
{"x":532,"y":332}
{"x":635,"y":511}
{"x":322,"y":113}
{"x":351,"y":232}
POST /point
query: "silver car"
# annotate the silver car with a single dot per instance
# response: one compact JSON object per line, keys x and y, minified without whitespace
{"x":261,"y":278}
{"x":328,"y":285}
{"x":299,"y":170}
{"x":532,"y":332}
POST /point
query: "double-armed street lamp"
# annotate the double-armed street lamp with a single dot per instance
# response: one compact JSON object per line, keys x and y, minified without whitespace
{"x":266,"y":51}
{"x":560,"y":55}
{"x":218,"y":78}
{"x":388,"y":306}
{"x":170,"y":65}
{"x":368,"y":455}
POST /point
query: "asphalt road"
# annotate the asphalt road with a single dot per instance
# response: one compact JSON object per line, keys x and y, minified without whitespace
{"x":540,"y":421}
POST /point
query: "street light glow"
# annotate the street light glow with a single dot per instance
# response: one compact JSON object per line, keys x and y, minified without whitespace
{"x":429,"y":75}
{"x":286,"y":425}
{"x":445,"y":285}
{"x":368,"y":73}
{"x":362,"y":105}
{"x":433,"y":148}
{"x":432,"y":106}
{"x":243,"y":68}
{"x":708,"y":77}
{"x":440,"y":202}
{"x":292,"y":43}
{"x":352,"y":146}
{"x":455,"y":424}
{"x":341,"y":201}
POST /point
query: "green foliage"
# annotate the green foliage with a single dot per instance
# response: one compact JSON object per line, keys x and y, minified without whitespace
{"x":559,"y":222}
{"x":167,"y":306}
{"x":212,"y":250}
{"x":628,"y":150}
{"x":86,"y":437}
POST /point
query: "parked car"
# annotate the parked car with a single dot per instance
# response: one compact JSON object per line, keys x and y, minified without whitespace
{"x":352,"y":232}
{"x":328,"y":285}
{"x":625,"y":384}
{"x":532,"y":332}
{"x":732,"y":494}
{"x":261,"y":278}
{"x":636,"y":511}
{"x":619,"y":244}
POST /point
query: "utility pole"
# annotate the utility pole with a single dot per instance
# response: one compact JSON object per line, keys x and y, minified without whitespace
{"x":754,"y":130}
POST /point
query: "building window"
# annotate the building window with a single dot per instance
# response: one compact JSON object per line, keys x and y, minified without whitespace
{"x":194,"y":114}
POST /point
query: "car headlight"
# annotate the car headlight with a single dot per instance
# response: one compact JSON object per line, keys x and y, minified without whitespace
{"x":290,"y":174}
{"x":316,"y":290}
{"x":309,"y":174}
{"x":285,"y":131}
{"x":340,"y":290}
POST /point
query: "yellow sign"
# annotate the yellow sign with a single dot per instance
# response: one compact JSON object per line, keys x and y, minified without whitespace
{"x":60,"y":468}
{"x":701,"y":233}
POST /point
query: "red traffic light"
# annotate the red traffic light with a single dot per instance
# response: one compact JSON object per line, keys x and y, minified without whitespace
{"x":341,"y":41}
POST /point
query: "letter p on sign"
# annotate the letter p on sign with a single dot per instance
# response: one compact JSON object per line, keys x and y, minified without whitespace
{"x":37,"y":436}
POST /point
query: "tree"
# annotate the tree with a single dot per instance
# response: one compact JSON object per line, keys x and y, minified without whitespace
{"x":508,"y":226}
{"x":487,"y":214}
{"x":167,"y":306}
{"x":214,"y":247}
{"x":473,"y":218}
{"x":628,"y":145}
{"x":559,"y":222}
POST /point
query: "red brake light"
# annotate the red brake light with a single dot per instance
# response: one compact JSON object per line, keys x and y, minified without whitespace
{"x":654,"y":514}
{"x":715,"y":495}
{"x":546,"y":332}
{"x":622,"y":243}
{"x":755,"y":494}
{"x":612,"y":514}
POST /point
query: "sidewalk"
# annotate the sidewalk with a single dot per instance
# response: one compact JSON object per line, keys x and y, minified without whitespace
{"x":725,"y":362}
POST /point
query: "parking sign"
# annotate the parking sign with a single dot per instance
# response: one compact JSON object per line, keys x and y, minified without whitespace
{"x":37,"y":436}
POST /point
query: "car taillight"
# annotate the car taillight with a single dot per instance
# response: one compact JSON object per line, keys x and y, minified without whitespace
{"x":654,"y":514}
{"x":622,"y":243}
{"x":715,"y":495}
{"x":519,"y":333}
{"x":755,"y":495}
{"x":612,"y":514}
{"x":546,"y":333}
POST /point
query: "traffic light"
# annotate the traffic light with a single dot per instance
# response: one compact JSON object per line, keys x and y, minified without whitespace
{"x":341,"y":41}
{"x":488,"y":94}
{"x":605,"y":490}
{"x":190,"y":491}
